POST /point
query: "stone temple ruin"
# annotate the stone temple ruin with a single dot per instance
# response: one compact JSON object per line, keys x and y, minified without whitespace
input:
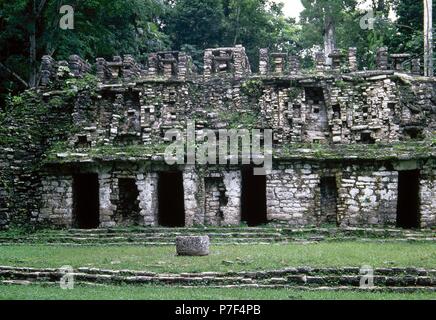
{"x":351,"y":148}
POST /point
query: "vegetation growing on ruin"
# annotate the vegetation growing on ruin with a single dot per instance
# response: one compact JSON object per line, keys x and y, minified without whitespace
{"x":29,"y":125}
{"x":243,"y":120}
{"x":403,"y":150}
{"x":62,"y":152}
{"x":294,"y":93}
{"x":253,"y":88}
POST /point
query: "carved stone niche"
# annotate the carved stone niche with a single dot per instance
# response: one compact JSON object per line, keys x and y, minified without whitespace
{"x":168,"y":63}
{"x":337,"y":56}
{"x":132,"y":124}
{"x":223,"y":61}
{"x":129,"y":129}
{"x":226,"y":61}
{"x":279,"y":62}
{"x":398,"y":60}
{"x":115,"y":67}
{"x":82,"y":141}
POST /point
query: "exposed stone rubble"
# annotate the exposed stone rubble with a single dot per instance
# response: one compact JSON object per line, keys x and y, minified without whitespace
{"x":221,"y":61}
{"x":146,"y":236}
{"x":385,"y":279}
{"x":342,"y":138}
{"x":277,"y":63}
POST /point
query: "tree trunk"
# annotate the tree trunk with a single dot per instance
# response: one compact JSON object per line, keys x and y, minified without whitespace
{"x":428,"y":38}
{"x":36,"y":12}
{"x":32,"y":45}
{"x":329,"y":38}
{"x":32,"y":56}
{"x":238,"y":15}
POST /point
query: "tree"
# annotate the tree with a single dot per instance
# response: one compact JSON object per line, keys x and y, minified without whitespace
{"x":195,"y":25}
{"x":428,"y":38}
{"x":320,"y":18}
{"x":195,"y":22}
{"x":410,"y":27}
{"x":36,"y":11}
{"x":259,"y":24}
{"x":382,"y":7}
{"x":29,"y":29}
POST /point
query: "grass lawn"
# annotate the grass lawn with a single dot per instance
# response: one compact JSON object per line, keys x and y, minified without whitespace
{"x":40,"y":292}
{"x":224,"y":258}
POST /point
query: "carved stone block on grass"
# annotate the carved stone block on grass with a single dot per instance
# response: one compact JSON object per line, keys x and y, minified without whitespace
{"x":192,"y":246}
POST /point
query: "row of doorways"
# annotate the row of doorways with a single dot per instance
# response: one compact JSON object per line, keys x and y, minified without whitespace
{"x":170,"y":199}
{"x":253,"y":199}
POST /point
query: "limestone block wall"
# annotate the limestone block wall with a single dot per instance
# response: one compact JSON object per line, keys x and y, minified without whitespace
{"x":107,"y":199}
{"x":368,"y":197}
{"x":190,"y":186}
{"x":368,"y":109}
{"x":214,"y":201}
{"x":374,"y":107}
{"x":298,"y":194}
{"x":428,"y":199}
{"x":232,"y":211}
{"x":148,"y":197}
{"x":293,"y":195}
{"x":217,"y":204}
{"x":57,"y":200}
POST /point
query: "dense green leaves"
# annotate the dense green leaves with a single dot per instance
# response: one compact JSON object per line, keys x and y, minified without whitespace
{"x":199,"y":24}
{"x":106,"y":28}
{"x":101,"y":28}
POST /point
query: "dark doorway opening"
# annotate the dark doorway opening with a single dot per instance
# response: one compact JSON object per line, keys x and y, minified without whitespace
{"x":128,"y":212}
{"x":329,"y":200}
{"x":86,"y":212}
{"x":171,"y":199}
{"x":314,"y":95}
{"x":253,"y":200}
{"x":408,"y":215}
{"x":366,"y":138}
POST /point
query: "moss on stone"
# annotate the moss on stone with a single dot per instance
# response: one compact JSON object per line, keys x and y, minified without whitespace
{"x":294,"y":93}
{"x":252,"y":88}
{"x":400,"y":150}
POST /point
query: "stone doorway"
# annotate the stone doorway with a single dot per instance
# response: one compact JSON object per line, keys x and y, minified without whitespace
{"x":408,"y":215}
{"x":171,"y":199}
{"x":128,"y":211}
{"x":86,"y":201}
{"x":253,"y":200}
{"x":329,"y":200}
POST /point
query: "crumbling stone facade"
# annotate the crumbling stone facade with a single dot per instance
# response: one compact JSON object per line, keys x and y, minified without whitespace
{"x":342,"y":137}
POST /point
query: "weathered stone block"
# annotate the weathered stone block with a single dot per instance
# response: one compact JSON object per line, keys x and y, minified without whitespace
{"x":193,"y":245}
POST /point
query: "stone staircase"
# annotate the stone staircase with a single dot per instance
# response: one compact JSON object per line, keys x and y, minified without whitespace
{"x":219,"y":236}
{"x":385,"y":279}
